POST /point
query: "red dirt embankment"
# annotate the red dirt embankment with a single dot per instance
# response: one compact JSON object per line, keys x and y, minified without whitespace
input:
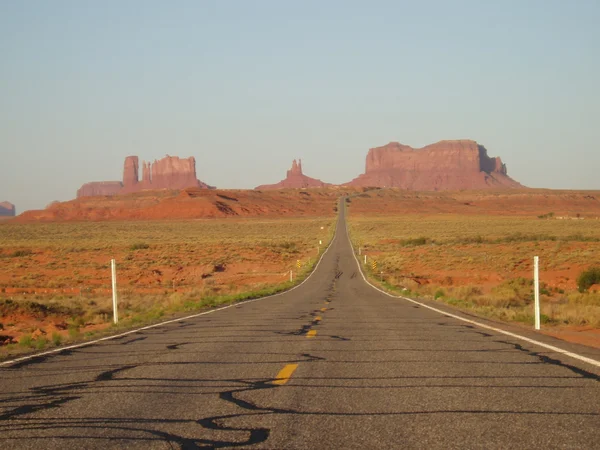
{"x":191,"y":203}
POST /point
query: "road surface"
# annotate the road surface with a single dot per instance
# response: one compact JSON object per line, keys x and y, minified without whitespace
{"x":332,"y":364}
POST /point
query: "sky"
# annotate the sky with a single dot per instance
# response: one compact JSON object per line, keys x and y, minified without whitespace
{"x":247,"y":86}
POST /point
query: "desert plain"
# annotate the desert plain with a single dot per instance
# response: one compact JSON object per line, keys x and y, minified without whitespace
{"x":195,"y":249}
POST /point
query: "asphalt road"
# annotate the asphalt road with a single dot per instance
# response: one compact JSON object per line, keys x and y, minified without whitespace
{"x":332,"y":364}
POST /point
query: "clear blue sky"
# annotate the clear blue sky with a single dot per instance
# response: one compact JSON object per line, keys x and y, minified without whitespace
{"x":246,"y":86}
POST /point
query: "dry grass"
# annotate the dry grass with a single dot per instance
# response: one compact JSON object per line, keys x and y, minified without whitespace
{"x":484,"y":263}
{"x":60,"y":273}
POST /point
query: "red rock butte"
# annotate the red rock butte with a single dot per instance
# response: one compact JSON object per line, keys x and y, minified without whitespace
{"x":445,"y":165}
{"x":170,"y":172}
{"x":7,"y":209}
{"x":295,"y":179}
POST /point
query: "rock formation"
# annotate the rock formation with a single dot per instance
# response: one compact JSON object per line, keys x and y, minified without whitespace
{"x":446,"y":165}
{"x":170,"y":172}
{"x":97,"y":188}
{"x":295,"y":179}
{"x":131,"y":173}
{"x":7,"y":209}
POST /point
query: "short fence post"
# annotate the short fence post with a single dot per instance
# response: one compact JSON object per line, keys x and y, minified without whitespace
{"x":536,"y":288}
{"x":113,"y":265}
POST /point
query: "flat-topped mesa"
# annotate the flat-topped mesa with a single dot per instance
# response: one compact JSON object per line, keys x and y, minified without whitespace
{"x":170,"y":172}
{"x":7,"y":209}
{"x":446,"y":165}
{"x":99,"y":188}
{"x":295,"y":179}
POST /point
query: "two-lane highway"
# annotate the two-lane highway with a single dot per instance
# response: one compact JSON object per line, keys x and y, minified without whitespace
{"x":331,"y":364}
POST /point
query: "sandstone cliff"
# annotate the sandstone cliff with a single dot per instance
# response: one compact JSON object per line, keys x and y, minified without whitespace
{"x":7,"y":209}
{"x":446,"y":165}
{"x":295,"y":179}
{"x":170,"y":172}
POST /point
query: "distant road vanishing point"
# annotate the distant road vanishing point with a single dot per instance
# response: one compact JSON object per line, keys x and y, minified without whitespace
{"x":331,"y":364}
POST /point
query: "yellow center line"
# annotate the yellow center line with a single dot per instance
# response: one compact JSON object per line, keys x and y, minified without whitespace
{"x":323,"y":309}
{"x":318,"y":319}
{"x":311,"y":334}
{"x":284,"y":374}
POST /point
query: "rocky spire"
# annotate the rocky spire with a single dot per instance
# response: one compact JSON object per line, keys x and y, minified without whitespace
{"x":130,"y":171}
{"x":296,"y":169}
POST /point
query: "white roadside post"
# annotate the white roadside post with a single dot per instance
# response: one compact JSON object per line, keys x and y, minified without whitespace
{"x":536,"y":288}
{"x":365,"y":259}
{"x":113,"y":265}
{"x":291,"y":275}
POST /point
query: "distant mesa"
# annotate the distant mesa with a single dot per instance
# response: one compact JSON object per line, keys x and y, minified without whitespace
{"x":170,"y":172}
{"x":7,"y":209}
{"x":295,"y":179}
{"x":443,"y":166}
{"x":98,"y":188}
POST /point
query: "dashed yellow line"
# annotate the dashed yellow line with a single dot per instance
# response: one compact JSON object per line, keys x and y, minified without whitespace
{"x":284,"y":374}
{"x":318,"y":319}
{"x":311,"y":334}
{"x":323,"y":309}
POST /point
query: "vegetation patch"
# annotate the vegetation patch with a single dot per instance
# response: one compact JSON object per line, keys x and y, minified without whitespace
{"x":139,"y":246}
{"x":588,"y":278}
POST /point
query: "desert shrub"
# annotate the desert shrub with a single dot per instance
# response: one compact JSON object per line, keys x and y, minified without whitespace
{"x":466,"y":292}
{"x":439,"y":293}
{"x":138,"y":246}
{"x":415,"y":242}
{"x":56,"y":339}
{"x":41,"y":343}
{"x":26,"y":340}
{"x":20,"y":253}
{"x":472,"y":240}
{"x":587,"y":278}
{"x":287,"y":245}
{"x":73,"y":331}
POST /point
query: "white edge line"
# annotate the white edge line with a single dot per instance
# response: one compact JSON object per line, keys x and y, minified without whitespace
{"x":115,"y":336}
{"x":585,"y":359}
